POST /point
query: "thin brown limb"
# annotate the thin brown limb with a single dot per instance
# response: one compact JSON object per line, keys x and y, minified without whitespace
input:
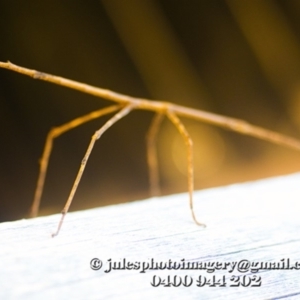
{"x":85,"y":88}
{"x":122,"y":113}
{"x":152,"y":155}
{"x":190,"y":166}
{"x":54,"y":133}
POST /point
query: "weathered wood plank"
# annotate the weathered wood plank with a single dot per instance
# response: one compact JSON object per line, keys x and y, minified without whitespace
{"x":258,"y":221}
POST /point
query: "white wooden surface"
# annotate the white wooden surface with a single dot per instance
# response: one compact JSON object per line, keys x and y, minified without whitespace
{"x":257,"y":221}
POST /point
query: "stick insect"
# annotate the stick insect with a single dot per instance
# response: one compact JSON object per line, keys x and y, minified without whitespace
{"x":124,"y":105}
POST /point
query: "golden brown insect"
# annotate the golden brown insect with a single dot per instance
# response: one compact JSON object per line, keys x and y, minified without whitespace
{"x":124,"y":105}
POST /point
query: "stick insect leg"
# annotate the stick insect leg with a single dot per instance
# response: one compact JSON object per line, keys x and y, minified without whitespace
{"x":152,"y":154}
{"x":122,"y":113}
{"x":54,"y":133}
{"x":189,"y":145}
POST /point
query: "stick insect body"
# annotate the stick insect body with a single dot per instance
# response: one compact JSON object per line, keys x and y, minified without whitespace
{"x":125,"y":104}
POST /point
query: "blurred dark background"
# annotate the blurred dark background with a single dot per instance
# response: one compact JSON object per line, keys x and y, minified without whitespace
{"x":236,"y":58}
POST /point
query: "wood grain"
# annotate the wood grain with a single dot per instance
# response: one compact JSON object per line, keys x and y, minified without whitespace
{"x":256,"y":221}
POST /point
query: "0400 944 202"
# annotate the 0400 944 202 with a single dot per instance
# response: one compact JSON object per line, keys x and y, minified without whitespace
{"x":124,"y":104}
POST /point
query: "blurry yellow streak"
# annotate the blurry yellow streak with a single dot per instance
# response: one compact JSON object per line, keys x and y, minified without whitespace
{"x":156,"y":52}
{"x":269,"y":35}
